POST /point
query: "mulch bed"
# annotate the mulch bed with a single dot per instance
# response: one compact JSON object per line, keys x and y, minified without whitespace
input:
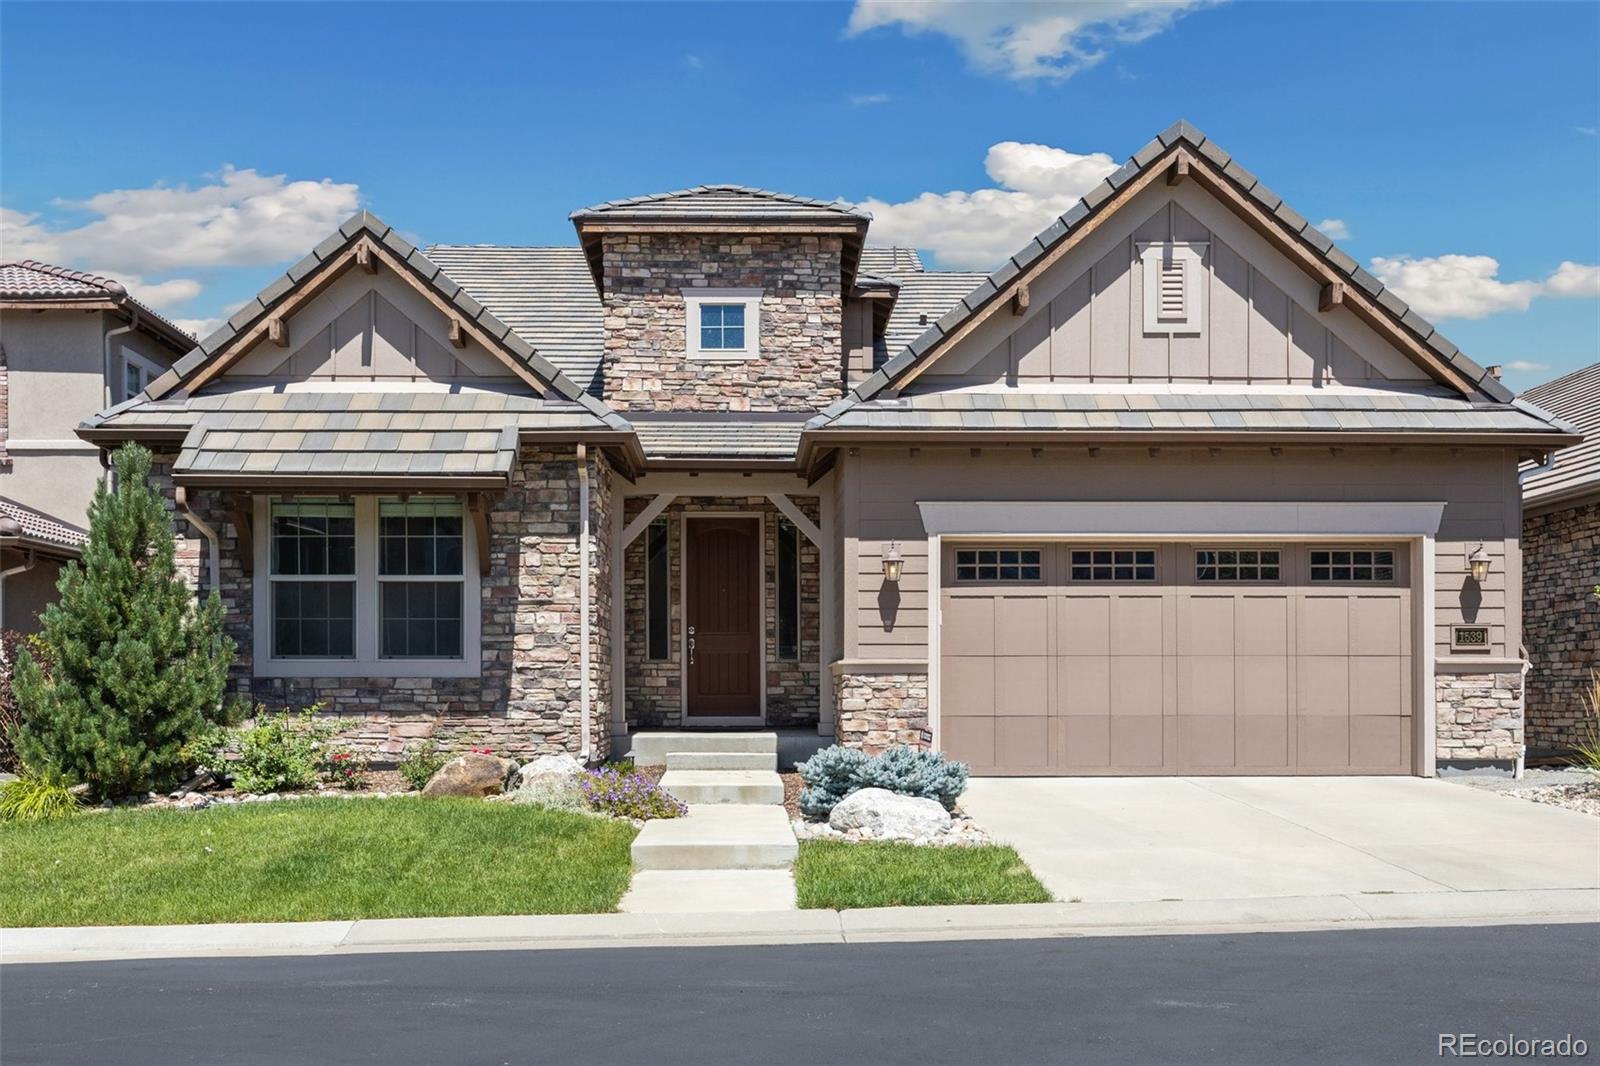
{"x":793,"y":785}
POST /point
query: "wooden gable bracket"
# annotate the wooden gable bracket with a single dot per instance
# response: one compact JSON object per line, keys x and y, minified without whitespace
{"x":278,"y":331}
{"x":241,"y":512}
{"x":458,"y":337}
{"x":1179,"y":169}
{"x":478,"y":510}
{"x":1019,"y":300}
{"x":365,"y":259}
{"x":1332,"y":296}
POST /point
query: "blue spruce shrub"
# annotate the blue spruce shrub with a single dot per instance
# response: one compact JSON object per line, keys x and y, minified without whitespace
{"x":833,"y":773}
{"x":912,"y":772}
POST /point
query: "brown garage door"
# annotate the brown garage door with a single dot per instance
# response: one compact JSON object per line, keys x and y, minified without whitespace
{"x":1061,"y":658}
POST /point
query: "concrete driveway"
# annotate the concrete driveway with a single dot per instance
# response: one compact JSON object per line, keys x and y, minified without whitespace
{"x":1101,"y":839}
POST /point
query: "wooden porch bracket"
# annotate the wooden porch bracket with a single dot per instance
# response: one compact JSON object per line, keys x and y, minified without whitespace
{"x":652,"y":510}
{"x":478,"y":509}
{"x":795,"y":515}
{"x":241,"y":512}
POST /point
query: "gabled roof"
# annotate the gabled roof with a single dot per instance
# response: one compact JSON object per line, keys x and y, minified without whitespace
{"x":1182,"y":149}
{"x":1574,"y":472}
{"x":720,"y":202}
{"x":339,"y":251}
{"x":30,"y":281}
{"x":35,"y":529}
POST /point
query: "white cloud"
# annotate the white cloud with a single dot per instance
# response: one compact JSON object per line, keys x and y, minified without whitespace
{"x":1574,"y":279}
{"x":977,"y":229}
{"x":1526,"y":366}
{"x":239,"y":218}
{"x":868,"y":99}
{"x":1027,"y":39}
{"x":1336,"y":228}
{"x":1468,"y":286}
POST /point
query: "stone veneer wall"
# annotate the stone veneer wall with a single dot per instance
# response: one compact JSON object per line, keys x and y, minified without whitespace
{"x":875,"y":711}
{"x":1561,"y":622}
{"x":800,"y":366}
{"x":654,"y":687}
{"x":1478,"y":717}
{"x":527,"y":700}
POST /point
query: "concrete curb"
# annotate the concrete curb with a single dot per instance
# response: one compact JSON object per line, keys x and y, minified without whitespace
{"x":1019,"y":921}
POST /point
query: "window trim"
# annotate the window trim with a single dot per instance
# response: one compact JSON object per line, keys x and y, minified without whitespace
{"x":956,"y":564}
{"x":366,"y":663}
{"x":694,"y":299}
{"x":1155,"y":564}
{"x":1279,"y":551}
{"x":149,"y":368}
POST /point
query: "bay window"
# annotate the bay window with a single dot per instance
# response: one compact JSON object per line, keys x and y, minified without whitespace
{"x":366,"y":587}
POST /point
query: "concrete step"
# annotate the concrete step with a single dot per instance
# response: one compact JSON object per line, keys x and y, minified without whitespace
{"x":718,"y":837}
{"x":724,"y":786}
{"x":651,"y":748}
{"x":708,"y":891}
{"x":722,"y":760}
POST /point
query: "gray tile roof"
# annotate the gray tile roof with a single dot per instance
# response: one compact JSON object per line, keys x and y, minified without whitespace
{"x":545,"y":294}
{"x":701,"y":438}
{"x":1246,"y":411}
{"x":720,"y":202}
{"x":364,"y":222}
{"x":1574,"y":398}
{"x":395,"y":434}
{"x":925,"y":297}
{"x":891,"y":262}
{"x":37,"y":529}
{"x":1061,"y":228}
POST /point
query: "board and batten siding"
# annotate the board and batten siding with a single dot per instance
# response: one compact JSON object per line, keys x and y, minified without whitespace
{"x":1259,"y":319}
{"x":881,"y":488}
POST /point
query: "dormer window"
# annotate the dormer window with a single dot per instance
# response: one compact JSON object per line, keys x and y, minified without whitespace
{"x":1173,"y":286}
{"x":722,"y":323}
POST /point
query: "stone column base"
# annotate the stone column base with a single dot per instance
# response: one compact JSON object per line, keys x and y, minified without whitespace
{"x":1478,"y":716}
{"x":880,"y":708}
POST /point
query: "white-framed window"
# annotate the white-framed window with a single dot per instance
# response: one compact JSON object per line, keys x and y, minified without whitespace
{"x":1354,"y":565}
{"x":1238,"y":564}
{"x":999,"y":564}
{"x":1112,"y":564}
{"x":366,"y":586}
{"x":723,"y":324}
{"x":137,"y":374}
{"x":1174,"y":289}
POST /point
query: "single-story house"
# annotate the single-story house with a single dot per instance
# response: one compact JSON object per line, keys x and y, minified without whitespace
{"x":1561,"y":570}
{"x":71,"y":344}
{"x":1178,"y":488}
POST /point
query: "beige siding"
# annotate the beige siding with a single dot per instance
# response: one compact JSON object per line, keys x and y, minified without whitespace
{"x":1260,"y":318}
{"x":882,"y":487}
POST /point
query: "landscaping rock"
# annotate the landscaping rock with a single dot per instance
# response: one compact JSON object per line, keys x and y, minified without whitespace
{"x":560,"y":765}
{"x":473,"y":774}
{"x":885,"y":815}
{"x":191,"y":802}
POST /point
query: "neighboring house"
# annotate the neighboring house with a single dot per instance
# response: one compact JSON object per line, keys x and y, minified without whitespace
{"x":1561,"y":569}
{"x":1179,"y":488}
{"x":71,"y":344}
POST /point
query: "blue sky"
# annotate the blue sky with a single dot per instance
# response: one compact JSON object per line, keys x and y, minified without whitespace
{"x":197,"y":148}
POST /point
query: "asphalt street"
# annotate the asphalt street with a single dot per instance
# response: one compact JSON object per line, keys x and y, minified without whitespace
{"x":1368,"y":996}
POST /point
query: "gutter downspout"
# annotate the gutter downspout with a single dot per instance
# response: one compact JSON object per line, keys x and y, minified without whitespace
{"x":583,"y":599}
{"x":1522,"y":749}
{"x":212,"y":540}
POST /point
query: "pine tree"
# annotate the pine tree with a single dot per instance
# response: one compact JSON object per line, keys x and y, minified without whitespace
{"x":136,"y":666}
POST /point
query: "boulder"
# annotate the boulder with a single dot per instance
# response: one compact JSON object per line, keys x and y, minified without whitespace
{"x":472,"y":774}
{"x":884,"y":815}
{"x":560,"y":765}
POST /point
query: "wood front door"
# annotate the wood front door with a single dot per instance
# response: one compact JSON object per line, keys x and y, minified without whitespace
{"x":723,"y":593}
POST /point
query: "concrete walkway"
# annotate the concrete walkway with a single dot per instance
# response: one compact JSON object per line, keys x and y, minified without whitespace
{"x":1132,"y":839}
{"x":735,"y":850}
{"x":1017,"y":921}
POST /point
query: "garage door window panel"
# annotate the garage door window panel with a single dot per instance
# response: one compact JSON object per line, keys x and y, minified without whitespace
{"x":998,"y":565}
{"x":1352,"y":565}
{"x":1121,"y":565}
{"x":1253,"y":565}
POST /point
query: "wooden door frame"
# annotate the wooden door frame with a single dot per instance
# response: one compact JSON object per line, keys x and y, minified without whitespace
{"x":759,"y":719}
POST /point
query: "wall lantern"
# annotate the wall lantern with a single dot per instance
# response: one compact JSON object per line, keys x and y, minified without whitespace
{"x":1478,"y":562}
{"x":892,"y":562}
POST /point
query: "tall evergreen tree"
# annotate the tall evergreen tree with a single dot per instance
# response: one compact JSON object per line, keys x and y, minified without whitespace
{"x":137,"y":667}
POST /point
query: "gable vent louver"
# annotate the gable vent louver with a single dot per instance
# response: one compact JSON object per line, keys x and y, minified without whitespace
{"x":1174,"y":273}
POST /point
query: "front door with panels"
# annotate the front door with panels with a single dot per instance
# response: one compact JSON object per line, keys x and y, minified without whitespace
{"x":722,"y":608}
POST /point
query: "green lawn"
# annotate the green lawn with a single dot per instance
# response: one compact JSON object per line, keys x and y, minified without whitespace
{"x":832,"y":873}
{"x":305,"y":860}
